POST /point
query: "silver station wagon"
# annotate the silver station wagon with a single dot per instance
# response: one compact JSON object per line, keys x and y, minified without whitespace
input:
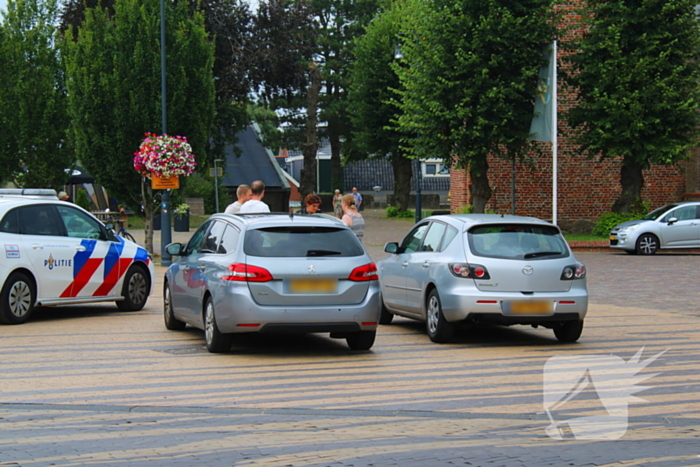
{"x":273,"y":273}
{"x":484,"y":268}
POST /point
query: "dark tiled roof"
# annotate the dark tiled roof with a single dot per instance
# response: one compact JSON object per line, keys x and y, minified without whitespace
{"x":254,"y":163}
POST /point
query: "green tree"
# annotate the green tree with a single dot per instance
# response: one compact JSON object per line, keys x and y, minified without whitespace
{"x":469,"y":79}
{"x":34,"y":151}
{"x":115,"y":91}
{"x":636,"y":72}
{"x":370,"y":100}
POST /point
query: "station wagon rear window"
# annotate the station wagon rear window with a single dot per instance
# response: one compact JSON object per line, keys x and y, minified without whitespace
{"x":517,"y":241}
{"x":301,"y":242}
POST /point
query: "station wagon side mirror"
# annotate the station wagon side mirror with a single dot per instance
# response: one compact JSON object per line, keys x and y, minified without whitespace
{"x":175,"y":249}
{"x":392,"y":247}
{"x":672,"y":220}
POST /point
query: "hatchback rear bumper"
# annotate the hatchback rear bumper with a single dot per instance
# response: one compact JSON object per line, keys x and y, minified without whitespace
{"x":240,"y":314}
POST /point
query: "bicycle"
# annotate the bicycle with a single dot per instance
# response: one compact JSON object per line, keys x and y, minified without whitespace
{"x":123,"y":233}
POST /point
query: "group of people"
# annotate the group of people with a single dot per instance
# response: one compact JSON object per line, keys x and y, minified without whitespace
{"x":249,"y":199}
{"x":345,"y":207}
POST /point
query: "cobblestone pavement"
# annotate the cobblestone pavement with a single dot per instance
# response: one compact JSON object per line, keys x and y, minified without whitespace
{"x":94,"y":386}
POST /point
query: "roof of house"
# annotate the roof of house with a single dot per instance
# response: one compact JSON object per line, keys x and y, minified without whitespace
{"x":255,"y":162}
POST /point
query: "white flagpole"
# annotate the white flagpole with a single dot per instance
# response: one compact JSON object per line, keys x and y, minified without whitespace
{"x":554,"y":136}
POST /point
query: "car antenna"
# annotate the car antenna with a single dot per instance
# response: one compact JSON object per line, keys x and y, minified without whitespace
{"x":291,"y":215}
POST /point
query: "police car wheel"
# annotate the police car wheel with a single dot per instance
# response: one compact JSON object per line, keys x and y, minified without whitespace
{"x":171,"y":322}
{"x":17,"y":299}
{"x":135,"y":290}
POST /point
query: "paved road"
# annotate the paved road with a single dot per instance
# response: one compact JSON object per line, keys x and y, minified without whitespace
{"x":95,"y":386}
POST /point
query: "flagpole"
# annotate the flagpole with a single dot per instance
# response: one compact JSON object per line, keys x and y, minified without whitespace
{"x":554,"y":136}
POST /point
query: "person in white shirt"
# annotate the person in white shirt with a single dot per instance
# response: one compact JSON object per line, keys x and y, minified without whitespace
{"x":255,"y":204}
{"x":243,"y":194}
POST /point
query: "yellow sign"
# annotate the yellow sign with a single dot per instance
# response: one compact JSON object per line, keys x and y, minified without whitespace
{"x":170,"y":183}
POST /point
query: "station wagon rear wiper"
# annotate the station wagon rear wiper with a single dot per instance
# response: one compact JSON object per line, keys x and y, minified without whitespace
{"x":322,"y":253}
{"x":541,"y":253}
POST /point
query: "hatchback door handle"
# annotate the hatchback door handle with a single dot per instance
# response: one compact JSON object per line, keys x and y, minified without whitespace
{"x":405,"y":264}
{"x":426,"y":264}
{"x":36,"y":246}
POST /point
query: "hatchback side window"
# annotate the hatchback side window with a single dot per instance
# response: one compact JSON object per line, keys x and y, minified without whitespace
{"x":685,"y":213}
{"x":413,"y":239}
{"x":78,"y":224}
{"x":229,"y":240}
{"x":39,"y":219}
{"x":434,"y":237}
{"x":194,"y":246}
{"x":211,"y":242}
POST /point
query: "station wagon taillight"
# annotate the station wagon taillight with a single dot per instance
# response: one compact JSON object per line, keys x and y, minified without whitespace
{"x":368,"y":272}
{"x":247,"y":273}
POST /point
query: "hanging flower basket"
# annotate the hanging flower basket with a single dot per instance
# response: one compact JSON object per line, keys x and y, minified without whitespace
{"x":164,"y":157}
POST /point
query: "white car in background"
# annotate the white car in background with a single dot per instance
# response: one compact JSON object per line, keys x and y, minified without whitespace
{"x":56,"y":253}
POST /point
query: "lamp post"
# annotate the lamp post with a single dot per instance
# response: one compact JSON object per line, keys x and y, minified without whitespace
{"x":165,"y":232}
{"x":419,"y":183}
{"x":216,"y":183}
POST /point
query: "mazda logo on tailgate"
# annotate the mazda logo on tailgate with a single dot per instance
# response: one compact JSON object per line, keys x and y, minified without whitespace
{"x":527,"y":270}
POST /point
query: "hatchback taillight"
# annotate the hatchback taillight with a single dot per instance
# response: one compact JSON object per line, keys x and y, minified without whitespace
{"x":368,"y":272}
{"x":469,"y":271}
{"x":573,"y":272}
{"x":247,"y":273}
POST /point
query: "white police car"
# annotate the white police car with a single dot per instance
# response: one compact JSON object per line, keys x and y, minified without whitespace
{"x":56,"y":253}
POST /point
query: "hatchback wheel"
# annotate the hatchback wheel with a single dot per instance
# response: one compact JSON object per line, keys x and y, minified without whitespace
{"x":135,"y":290}
{"x":217,"y":342}
{"x":17,"y":299}
{"x":439,"y":329}
{"x":171,"y":322}
{"x":647,"y":244}
{"x":568,"y":331}
{"x":361,"y":340}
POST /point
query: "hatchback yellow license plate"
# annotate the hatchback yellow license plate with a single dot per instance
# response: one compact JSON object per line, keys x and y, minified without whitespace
{"x":530,"y":307}
{"x":613,"y":237}
{"x":313,"y":286}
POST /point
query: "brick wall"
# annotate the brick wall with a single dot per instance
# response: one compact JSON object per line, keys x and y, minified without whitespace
{"x":587,"y":188}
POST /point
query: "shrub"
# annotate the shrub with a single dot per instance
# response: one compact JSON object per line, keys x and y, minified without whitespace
{"x":392,"y":211}
{"x":607,"y":221}
{"x":465,"y":209}
{"x":82,"y":200}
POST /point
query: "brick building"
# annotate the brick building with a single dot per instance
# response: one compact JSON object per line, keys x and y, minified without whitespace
{"x":587,"y":188}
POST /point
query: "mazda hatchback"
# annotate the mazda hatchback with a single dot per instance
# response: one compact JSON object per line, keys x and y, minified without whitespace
{"x":484,"y":268}
{"x":273,"y":273}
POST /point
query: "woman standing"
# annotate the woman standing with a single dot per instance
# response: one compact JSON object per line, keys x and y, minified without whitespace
{"x":338,"y":204}
{"x":352,"y":218}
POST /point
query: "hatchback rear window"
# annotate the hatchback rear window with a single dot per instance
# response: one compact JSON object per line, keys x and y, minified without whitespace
{"x":300,"y":242}
{"x":517,"y":241}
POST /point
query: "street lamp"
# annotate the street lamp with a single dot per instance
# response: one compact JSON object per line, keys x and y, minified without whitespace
{"x":165,"y":232}
{"x":216,"y":183}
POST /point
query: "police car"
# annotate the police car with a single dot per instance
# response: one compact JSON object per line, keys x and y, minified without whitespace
{"x":56,"y":253}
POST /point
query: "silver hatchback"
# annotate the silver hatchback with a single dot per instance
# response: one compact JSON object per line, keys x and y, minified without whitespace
{"x":484,"y":268}
{"x":273,"y":273}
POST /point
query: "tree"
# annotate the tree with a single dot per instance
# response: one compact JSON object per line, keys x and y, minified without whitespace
{"x":34,"y":151}
{"x":469,"y":79}
{"x":373,"y":81}
{"x":339,"y":24}
{"x":636,"y":72}
{"x":115,"y":91}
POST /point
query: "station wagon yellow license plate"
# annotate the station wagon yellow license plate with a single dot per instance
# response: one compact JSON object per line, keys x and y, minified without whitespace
{"x":528,"y":307}
{"x":313,"y":286}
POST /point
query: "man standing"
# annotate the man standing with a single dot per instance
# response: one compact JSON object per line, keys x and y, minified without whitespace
{"x":243,"y":194}
{"x":257,"y":189}
{"x":358,"y":198}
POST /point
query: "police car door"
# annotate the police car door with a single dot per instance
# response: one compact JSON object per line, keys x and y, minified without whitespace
{"x":49,"y":251}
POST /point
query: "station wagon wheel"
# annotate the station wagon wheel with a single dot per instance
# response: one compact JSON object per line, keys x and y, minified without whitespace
{"x":568,"y":331}
{"x":385,"y":317}
{"x":17,"y":299}
{"x":439,"y":329}
{"x":362,"y":340}
{"x":135,"y":289}
{"x":217,"y":342}
{"x":171,"y":323}
{"x":647,"y":244}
